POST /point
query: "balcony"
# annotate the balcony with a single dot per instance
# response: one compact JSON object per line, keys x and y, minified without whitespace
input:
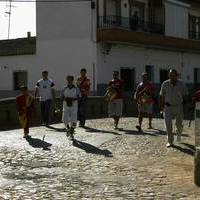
{"x":194,"y":35}
{"x":110,"y":22}
{"x":147,"y":40}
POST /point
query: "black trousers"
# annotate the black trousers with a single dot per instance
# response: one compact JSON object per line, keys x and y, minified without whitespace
{"x":45,"y":110}
{"x":82,"y":110}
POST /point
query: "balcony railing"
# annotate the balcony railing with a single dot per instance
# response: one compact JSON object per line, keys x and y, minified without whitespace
{"x":194,"y":35}
{"x":107,"y":22}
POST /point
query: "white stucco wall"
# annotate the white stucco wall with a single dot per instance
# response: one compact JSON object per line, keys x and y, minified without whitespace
{"x":176,"y":18}
{"x":123,"y":56}
{"x":66,"y":35}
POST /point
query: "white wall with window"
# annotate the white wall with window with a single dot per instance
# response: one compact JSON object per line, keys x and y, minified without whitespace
{"x":156,"y":62}
{"x":176,"y":18}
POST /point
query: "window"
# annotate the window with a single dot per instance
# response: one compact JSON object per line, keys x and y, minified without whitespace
{"x":19,"y":78}
{"x":196,"y":75}
{"x":139,"y":7}
{"x":194,"y":27}
{"x":163,"y":75}
{"x":128,"y":75}
{"x":149,"y":69}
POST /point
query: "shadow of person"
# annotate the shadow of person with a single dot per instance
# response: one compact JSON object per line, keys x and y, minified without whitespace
{"x":94,"y":130}
{"x":161,"y":132}
{"x":37,"y":143}
{"x":192,"y":147}
{"x":133,"y":132}
{"x":88,"y":148}
{"x":56,"y":129}
{"x":184,"y":150}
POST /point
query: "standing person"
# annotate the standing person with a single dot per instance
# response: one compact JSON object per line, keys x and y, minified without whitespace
{"x":172,"y":95}
{"x":46,"y":92}
{"x":83,"y":82}
{"x":115,"y":106}
{"x":144,"y":98}
{"x":134,"y":21}
{"x":25,"y":107}
{"x":69,"y":96}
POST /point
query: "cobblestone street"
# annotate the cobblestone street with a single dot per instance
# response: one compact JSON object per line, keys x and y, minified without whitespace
{"x":102,"y":164}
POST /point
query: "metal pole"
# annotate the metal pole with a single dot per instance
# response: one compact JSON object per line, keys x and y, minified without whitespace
{"x":9,"y":13}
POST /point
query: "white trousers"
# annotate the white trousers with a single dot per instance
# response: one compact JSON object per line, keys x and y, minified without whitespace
{"x":70,"y":114}
{"x":169,"y":114}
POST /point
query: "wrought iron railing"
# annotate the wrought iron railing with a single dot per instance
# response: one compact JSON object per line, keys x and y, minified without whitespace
{"x":112,"y":21}
{"x":194,"y":35}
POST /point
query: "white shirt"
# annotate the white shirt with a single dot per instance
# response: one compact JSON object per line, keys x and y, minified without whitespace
{"x":73,"y":92}
{"x":173,"y":94}
{"x":45,"y":89}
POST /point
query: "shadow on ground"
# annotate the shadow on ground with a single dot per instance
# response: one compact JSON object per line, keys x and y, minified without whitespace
{"x":134,"y":132}
{"x":161,"y":132}
{"x":56,"y":129}
{"x":190,"y":149}
{"x":37,"y":143}
{"x":88,"y":148}
{"x":93,"y":130}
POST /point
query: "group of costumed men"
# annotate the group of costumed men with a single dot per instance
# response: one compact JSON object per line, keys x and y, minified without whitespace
{"x":73,"y":96}
{"x":172,"y":97}
{"x":173,"y":94}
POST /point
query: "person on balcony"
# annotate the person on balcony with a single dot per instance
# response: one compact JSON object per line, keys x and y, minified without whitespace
{"x":134,"y":21}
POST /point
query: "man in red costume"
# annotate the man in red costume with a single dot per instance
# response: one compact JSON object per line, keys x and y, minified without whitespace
{"x":144,"y":98}
{"x":83,"y":83}
{"x":115,"y":105}
{"x":25,"y":107}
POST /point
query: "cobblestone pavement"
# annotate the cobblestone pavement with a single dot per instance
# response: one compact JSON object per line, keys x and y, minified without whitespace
{"x":101,"y":164}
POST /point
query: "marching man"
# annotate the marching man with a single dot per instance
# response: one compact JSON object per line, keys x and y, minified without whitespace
{"x":144,"y":98}
{"x":83,"y":83}
{"x":115,"y":105}
{"x":25,"y":107}
{"x":172,"y":96}
{"x":69,"y":96}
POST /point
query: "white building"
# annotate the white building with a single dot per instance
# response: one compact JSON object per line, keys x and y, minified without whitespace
{"x":100,"y":35}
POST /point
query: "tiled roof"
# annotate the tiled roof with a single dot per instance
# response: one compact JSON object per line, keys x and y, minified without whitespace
{"x":21,"y":46}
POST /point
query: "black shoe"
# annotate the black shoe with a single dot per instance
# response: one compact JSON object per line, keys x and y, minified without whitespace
{"x":138,"y":128}
{"x":27,"y":136}
{"x":72,"y":133}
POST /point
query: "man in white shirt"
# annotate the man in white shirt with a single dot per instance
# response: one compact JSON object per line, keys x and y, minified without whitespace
{"x":69,"y":96}
{"x":173,"y":94}
{"x":45,"y":91}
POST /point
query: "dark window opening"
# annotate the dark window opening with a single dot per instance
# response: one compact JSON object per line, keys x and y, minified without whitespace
{"x":20,"y":78}
{"x":196,"y":77}
{"x":149,"y":69}
{"x":128,"y":75}
{"x":163,"y":75}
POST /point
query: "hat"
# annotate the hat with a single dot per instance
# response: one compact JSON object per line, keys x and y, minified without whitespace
{"x":144,"y":74}
{"x":70,"y":77}
{"x":23,"y":87}
{"x":45,"y":71}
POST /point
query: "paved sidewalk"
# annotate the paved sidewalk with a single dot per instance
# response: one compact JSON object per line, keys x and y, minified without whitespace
{"x":102,"y":164}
